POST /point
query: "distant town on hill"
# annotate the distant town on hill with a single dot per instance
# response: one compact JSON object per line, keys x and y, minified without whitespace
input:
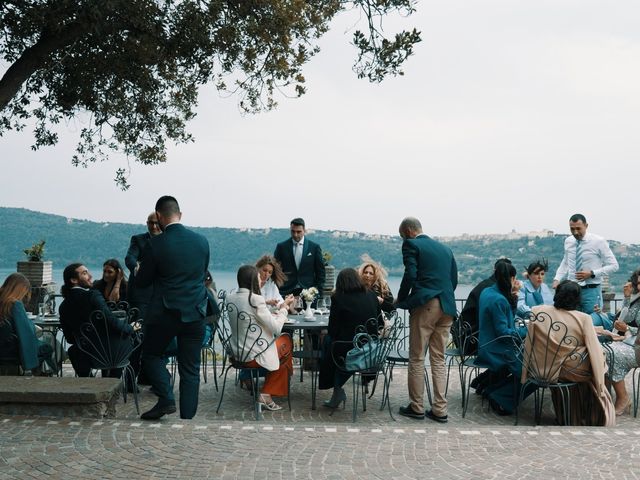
{"x":69,"y":240}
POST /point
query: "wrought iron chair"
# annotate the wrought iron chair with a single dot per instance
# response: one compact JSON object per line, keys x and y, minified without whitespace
{"x":109,"y":350}
{"x":399,"y":354}
{"x":635,"y":374}
{"x":209,"y":350}
{"x":560,"y":356}
{"x":10,"y":363}
{"x":456,"y":351}
{"x":377,"y":341}
{"x":242,"y":348}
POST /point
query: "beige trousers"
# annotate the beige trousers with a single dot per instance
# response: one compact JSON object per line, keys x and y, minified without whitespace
{"x":428,"y":327}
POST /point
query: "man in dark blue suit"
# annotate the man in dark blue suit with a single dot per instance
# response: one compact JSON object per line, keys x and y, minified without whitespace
{"x":427,"y":291}
{"x":301,"y":261}
{"x":137,"y":296}
{"x":176,"y":263}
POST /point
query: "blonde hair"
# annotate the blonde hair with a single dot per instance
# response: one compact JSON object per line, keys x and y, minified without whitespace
{"x":278,"y":275}
{"x":15,"y":287}
{"x":379,"y":273}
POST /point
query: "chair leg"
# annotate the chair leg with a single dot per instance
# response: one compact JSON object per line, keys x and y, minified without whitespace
{"x":224,"y":384}
{"x":254,"y":385}
{"x":427,"y":385}
{"x":636,"y":391}
{"x":355,"y":397}
{"x":203,"y":363}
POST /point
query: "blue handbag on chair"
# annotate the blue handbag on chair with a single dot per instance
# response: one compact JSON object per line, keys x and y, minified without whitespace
{"x":363,"y":355}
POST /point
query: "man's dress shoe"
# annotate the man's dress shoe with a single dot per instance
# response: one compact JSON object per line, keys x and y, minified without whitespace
{"x":158,"y":411}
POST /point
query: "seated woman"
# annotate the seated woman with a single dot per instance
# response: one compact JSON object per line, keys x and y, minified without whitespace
{"x":352,"y":305}
{"x":572,"y":354}
{"x":277,"y":358}
{"x":17,"y":332}
{"x":496,"y":347}
{"x":271,"y":278}
{"x":113,"y":284}
{"x":626,"y":354}
{"x":374,"y":277}
{"x":534,"y":291}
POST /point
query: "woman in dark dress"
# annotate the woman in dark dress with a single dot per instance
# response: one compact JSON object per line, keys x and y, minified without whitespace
{"x":352,"y":305}
{"x":17,"y":332}
{"x":113,"y":284}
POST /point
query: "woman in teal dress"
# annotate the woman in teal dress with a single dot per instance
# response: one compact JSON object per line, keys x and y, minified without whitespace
{"x":496,"y":347}
{"x":17,"y":332}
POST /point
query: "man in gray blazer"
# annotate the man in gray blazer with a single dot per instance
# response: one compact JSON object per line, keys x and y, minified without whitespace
{"x":427,"y":291}
{"x":176,"y":264}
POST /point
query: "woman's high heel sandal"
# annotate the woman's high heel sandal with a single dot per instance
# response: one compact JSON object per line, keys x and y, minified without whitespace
{"x":270,"y":404}
{"x":339,"y":396}
{"x":624,"y":409}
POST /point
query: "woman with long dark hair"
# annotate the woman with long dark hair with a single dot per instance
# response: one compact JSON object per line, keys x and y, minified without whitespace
{"x":268,"y":349}
{"x":14,"y":324}
{"x":495,"y":345}
{"x":352,"y":305}
{"x":113,"y":284}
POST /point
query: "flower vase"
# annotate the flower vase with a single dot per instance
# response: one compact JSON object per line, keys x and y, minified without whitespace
{"x":308,"y":313}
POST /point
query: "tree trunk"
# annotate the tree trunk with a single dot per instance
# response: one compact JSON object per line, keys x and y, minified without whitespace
{"x":34,"y":58}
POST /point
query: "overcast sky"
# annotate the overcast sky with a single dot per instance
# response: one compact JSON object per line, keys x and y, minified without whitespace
{"x":512,"y":115}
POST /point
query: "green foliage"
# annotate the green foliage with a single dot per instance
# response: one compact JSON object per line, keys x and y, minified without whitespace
{"x":35,"y":253}
{"x":130,"y":70}
{"x":92,"y":243}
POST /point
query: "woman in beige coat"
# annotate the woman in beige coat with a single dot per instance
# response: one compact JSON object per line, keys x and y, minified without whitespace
{"x":571,"y":354}
{"x":255,"y":335}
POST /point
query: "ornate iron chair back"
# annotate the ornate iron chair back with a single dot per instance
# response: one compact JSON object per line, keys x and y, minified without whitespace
{"x":109,"y":350}
{"x":242,"y":339}
{"x":376,"y":339}
{"x":551,"y":358}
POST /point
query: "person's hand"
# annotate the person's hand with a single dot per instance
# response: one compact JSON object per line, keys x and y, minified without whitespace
{"x":555,"y":283}
{"x":583,"y":275}
{"x":627,"y":290}
{"x":620,"y":326}
{"x":515,"y":287}
{"x":273,"y":302}
{"x":596,"y":308}
{"x":380,"y":300}
{"x":288,"y":300}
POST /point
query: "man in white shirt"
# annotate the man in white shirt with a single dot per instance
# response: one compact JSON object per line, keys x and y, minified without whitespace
{"x":587,"y":258}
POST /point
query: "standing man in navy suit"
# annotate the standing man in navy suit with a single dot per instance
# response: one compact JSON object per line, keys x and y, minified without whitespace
{"x":301,"y":261}
{"x":427,"y":291}
{"x":140,"y":297}
{"x":176,"y":264}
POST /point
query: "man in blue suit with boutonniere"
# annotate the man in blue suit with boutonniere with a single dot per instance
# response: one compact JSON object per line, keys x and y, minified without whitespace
{"x":427,"y":291}
{"x":176,"y":264}
{"x":301,"y":261}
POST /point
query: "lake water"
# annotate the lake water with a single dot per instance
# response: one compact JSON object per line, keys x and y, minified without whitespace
{"x":227,"y":280}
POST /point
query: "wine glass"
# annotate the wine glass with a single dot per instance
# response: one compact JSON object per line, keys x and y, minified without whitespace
{"x":327,"y":303}
{"x":298,"y":306}
{"x":320,"y":305}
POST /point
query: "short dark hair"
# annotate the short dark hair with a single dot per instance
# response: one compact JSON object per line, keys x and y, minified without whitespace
{"x":578,"y":217}
{"x":568,"y":295}
{"x":167,"y":206}
{"x":540,"y":264}
{"x":349,"y":281}
{"x":68,"y":274}
{"x":299,"y":222}
{"x":634,"y":280}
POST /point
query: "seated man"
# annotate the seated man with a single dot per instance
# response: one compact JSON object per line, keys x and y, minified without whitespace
{"x":79,"y":301}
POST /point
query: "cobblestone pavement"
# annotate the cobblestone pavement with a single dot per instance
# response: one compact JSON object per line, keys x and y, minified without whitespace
{"x":303,"y":443}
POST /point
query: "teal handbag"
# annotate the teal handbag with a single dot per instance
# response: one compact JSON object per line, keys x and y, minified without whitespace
{"x":364,"y":355}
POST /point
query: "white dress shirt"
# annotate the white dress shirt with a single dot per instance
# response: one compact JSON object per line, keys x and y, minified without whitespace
{"x":298,"y":247}
{"x":596,"y":256}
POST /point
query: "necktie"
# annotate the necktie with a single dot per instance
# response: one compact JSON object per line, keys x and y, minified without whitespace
{"x":578,"y":255}
{"x":297,"y":254}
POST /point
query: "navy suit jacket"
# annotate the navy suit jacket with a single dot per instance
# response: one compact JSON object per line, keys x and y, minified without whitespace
{"x":137,"y":295}
{"x":311,"y":272}
{"x":430,"y":271}
{"x":176,"y":263}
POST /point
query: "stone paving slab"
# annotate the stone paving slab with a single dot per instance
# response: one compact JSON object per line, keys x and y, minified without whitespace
{"x":314,"y":444}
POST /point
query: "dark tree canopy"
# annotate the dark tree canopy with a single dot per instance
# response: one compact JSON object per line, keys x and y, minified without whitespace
{"x":133,"y":67}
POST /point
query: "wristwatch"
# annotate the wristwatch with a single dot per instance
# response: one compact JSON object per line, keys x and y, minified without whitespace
{"x":593,"y":275}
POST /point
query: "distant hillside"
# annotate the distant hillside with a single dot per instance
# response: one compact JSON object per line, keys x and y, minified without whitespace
{"x":70,"y":240}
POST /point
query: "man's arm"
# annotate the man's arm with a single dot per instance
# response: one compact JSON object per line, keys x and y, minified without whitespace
{"x":146,"y":272}
{"x":115,"y":324}
{"x":454,"y":273}
{"x":131,"y":259}
{"x":563,"y":269}
{"x":609,"y":262}
{"x":410,"y":270}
